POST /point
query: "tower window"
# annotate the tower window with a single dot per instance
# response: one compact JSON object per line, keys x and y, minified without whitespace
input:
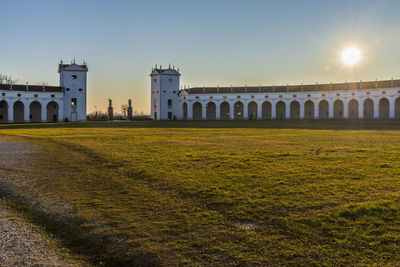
{"x":67,"y":89}
{"x":73,"y":102}
{"x":170,"y":80}
{"x":80,"y":89}
{"x":52,"y":95}
{"x":35,"y":95}
{"x":19,"y":95}
{"x":3,"y":94}
{"x":169,"y":103}
{"x":74,"y":77}
{"x":155,"y":80}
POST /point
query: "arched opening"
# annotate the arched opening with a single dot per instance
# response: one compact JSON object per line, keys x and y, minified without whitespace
{"x":185,"y":110}
{"x":52,"y":112}
{"x":397,"y":109}
{"x":294,"y":110}
{"x":384,"y":109}
{"x":211,"y":111}
{"x":238,"y":110}
{"x":280,"y":110}
{"x":266,"y":110}
{"x":3,"y":112}
{"x":224,"y":113}
{"x":252,"y":110}
{"x":368,"y":109}
{"x":323,"y":107}
{"x":18,"y":111}
{"x":309,"y":110}
{"x":197,"y":111}
{"x":353,"y":109}
{"x":35,"y":112}
{"x":338,"y":109}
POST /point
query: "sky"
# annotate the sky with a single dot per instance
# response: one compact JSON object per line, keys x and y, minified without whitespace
{"x":213,"y":42}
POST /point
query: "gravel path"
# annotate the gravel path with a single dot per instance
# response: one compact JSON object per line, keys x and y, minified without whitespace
{"x":21,"y":242}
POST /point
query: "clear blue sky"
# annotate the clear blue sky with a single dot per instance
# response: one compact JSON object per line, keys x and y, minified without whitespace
{"x":213,"y":42}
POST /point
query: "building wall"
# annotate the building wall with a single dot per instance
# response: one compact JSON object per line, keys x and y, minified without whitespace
{"x":165,"y":87}
{"x":73,"y":79}
{"x":291,"y":105}
{"x":12,"y":98}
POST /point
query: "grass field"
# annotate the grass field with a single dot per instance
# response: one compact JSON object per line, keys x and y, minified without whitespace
{"x":218,"y":193}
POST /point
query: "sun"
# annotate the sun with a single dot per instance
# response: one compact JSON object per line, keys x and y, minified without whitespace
{"x":351,"y":55}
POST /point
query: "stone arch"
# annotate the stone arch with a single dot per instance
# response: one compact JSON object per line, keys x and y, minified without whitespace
{"x":368,"y":109}
{"x":252,"y":110}
{"x":35,"y":112}
{"x":224,"y":112}
{"x":197,"y":111}
{"x":294,"y":110}
{"x":309,"y":110}
{"x":384,"y":109}
{"x":338,"y":109}
{"x":185,"y":110}
{"x":397,"y":109}
{"x":211,"y":109}
{"x":280,"y":110}
{"x":353,"y":109}
{"x":52,"y":111}
{"x":18,"y":111}
{"x":266,"y":109}
{"x":3,"y":111}
{"x":323,"y":107}
{"x":238,"y":110}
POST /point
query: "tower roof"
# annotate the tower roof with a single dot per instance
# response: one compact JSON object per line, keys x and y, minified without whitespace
{"x":169,"y":71}
{"x":72,"y":67}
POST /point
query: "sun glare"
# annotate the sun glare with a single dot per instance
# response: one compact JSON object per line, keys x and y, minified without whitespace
{"x":351,"y":55}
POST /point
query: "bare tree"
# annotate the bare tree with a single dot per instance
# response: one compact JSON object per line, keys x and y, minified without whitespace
{"x":124,"y":109}
{"x":6,"y":79}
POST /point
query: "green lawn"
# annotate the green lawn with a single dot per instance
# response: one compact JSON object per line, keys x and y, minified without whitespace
{"x":176,"y":193}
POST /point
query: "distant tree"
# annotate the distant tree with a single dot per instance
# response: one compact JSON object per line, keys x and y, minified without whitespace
{"x":124,"y":109}
{"x":41,"y":83}
{"x":6,"y":79}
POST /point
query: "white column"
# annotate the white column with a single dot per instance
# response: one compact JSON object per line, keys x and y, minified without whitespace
{"x":245,"y":111}
{"x":345,"y":109}
{"x":217,"y":110}
{"x":232,"y":110}
{"x":259,"y":111}
{"x":376,"y":109}
{"x":330,"y":108}
{"x":273,"y":110}
{"x":10,"y":112}
{"x":360,"y":108}
{"x":203,"y":111}
{"x":287,"y":111}
{"x":302,"y":107}
{"x":391,"y":108}
{"x":190,"y":111}
{"x":26,"y":112}
{"x":316,"y":110}
{"x":44,"y":112}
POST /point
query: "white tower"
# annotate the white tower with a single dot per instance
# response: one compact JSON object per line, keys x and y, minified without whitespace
{"x":73,"y":79}
{"x":164,"y":93}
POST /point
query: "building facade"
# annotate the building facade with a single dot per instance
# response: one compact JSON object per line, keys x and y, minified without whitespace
{"x":355,"y":100}
{"x":33,"y":103}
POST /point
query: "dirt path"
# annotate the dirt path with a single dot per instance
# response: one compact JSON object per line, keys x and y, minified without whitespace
{"x":21,"y":242}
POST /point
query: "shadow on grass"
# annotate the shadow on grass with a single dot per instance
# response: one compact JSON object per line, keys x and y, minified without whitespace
{"x":268,"y":124}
